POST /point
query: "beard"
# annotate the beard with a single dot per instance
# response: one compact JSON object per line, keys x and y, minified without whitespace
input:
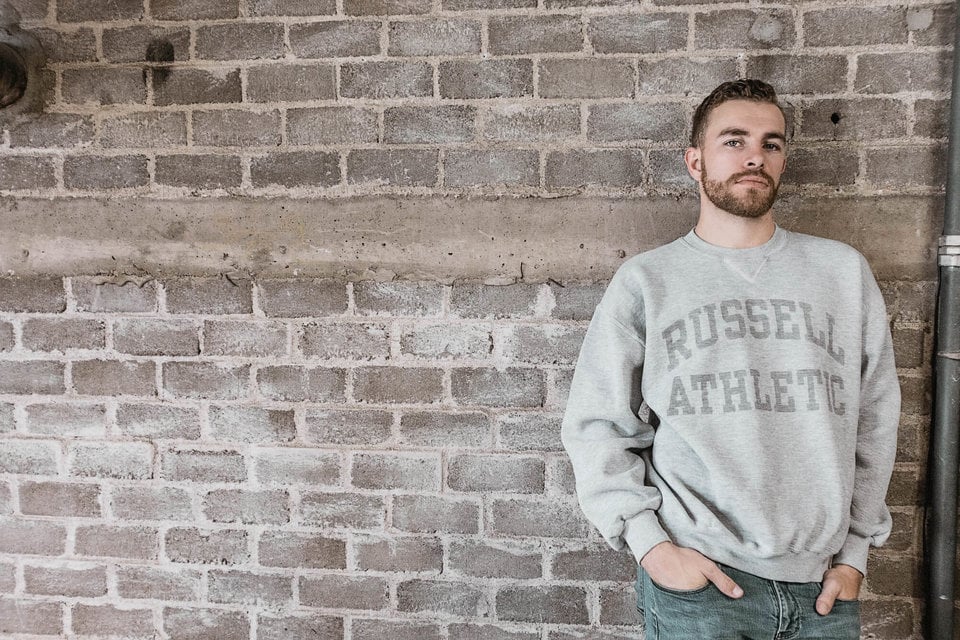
{"x":752,"y":204}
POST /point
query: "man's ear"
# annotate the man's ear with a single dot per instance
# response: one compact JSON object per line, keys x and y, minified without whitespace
{"x":691,"y":158}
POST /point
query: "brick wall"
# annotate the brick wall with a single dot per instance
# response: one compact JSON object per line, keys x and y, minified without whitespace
{"x":225,"y":448}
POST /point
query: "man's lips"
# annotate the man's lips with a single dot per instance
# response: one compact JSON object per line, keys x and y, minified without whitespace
{"x":754,"y":179}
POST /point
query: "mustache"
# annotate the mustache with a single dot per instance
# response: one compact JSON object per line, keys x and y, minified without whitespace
{"x":752,"y":174}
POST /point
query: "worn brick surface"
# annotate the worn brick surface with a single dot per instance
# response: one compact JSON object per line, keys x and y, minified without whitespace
{"x":630,"y":121}
{"x":202,"y":171}
{"x":476,"y":168}
{"x":78,"y":420}
{"x":238,"y":338}
{"x":234,"y":128}
{"x":507,"y":78}
{"x":206,"y":546}
{"x":203,"y":466}
{"x":296,"y":169}
{"x":144,"y":130}
{"x":330,"y":125}
{"x":344,"y":592}
{"x":586,"y":78}
{"x":290,"y":465}
{"x":400,"y":554}
{"x":252,"y":424}
{"x":117,"y":542}
{"x":335,"y":39}
{"x":621,"y":168}
{"x":158,"y":421}
{"x":61,"y":334}
{"x":239,"y":41}
{"x":131,"y":44}
{"x":105,"y":172}
{"x":291,"y":83}
{"x":356,"y":341}
{"x":193,"y":9}
{"x":108,"y":620}
{"x":346,"y":427}
{"x":205,"y":380}
{"x":292,"y":383}
{"x":114,"y":377}
{"x":27,"y":172}
{"x":342,"y":510}
{"x":125,"y":296}
{"x":434,"y":37}
{"x":402,"y":168}
{"x":495,"y":560}
{"x":196,"y":86}
{"x":145,"y":337}
{"x":151,"y":503}
{"x":146,"y":582}
{"x":295,"y":550}
{"x":121,"y":460}
{"x":637,"y":33}
{"x":386,"y":79}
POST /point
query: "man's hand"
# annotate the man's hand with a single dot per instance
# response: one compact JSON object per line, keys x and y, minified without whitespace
{"x":840,"y":581}
{"x":681,"y":568}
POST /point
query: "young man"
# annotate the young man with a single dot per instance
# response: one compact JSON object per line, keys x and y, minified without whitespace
{"x":733,"y":414}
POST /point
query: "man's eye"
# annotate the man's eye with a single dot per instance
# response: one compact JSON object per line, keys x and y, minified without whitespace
{"x":772,"y":146}
{"x":732,"y":143}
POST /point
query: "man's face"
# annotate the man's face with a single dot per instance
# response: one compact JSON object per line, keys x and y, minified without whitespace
{"x":741,"y":157}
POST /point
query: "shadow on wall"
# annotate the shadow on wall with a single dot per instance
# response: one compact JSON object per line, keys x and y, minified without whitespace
{"x":21,"y":61}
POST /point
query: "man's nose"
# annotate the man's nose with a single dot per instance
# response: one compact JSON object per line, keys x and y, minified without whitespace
{"x":754,"y":159}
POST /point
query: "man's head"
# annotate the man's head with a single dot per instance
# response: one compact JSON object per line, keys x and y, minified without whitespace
{"x":738,"y":147}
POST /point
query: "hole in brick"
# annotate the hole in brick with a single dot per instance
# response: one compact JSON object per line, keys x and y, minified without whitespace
{"x":835,"y":118}
{"x":13,"y":75}
{"x":161,"y":51}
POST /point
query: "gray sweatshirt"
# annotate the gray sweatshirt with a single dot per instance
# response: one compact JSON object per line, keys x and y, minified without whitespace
{"x":740,"y":402}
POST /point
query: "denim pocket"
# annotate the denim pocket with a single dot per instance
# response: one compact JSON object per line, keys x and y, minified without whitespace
{"x":680,"y":592}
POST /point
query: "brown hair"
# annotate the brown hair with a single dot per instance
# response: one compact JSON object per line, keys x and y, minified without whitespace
{"x":743,"y":89}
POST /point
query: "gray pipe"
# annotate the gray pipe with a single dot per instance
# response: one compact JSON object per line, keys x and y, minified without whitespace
{"x":941,"y":525}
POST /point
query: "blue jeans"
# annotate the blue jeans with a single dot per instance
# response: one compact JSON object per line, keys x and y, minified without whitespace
{"x":768,"y":610}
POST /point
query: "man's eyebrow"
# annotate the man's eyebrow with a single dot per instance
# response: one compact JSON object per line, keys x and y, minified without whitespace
{"x":733,"y":131}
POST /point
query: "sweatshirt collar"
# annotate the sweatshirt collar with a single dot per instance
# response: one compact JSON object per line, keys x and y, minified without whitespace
{"x":775,"y":243}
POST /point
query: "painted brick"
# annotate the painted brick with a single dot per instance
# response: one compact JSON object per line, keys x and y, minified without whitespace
{"x":299,"y":626}
{"x":127,"y":44}
{"x":820,"y":166}
{"x":8,"y":577}
{"x":525,"y":517}
{"x":197,"y":86}
{"x":194,"y":9}
{"x":441,"y":597}
{"x":206,"y":546}
{"x":107,"y":620}
{"x":158,"y":421}
{"x":560,"y":477}
{"x":248,"y":507}
{"x":485,"y":473}
{"x":394,"y":629}
{"x":893,"y":73}
{"x":393,"y":384}
{"x":436,"y":429}
{"x":103,"y":86}
{"x":637,"y":33}
{"x":535,"y":34}
{"x":239,"y":338}
{"x":154,"y":583}
{"x":508,"y":78}
{"x":494,"y":560}
{"x":435,"y":514}
{"x":117,"y":542}
{"x":203,"y":466}
{"x":61,"y":334}
{"x":76,"y":45}
{"x":59,"y":499}
{"x":696,"y":75}
{"x":845,"y":27}
{"x":296,"y":169}
{"x":447,"y":340}
{"x":488,"y":301}
{"x":235,"y":128}
{"x":205,"y":624}
{"x":551,"y":604}
{"x":7,"y":340}
{"x":105,"y":172}
{"x":575,"y":301}
{"x":150,"y":503}
{"x":145,"y":130}
{"x":294,"y":549}
{"x":296,"y":466}
{"x":476,"y":168}
{"x":488,"y":632}
{"x":868,"y":119}
{"x":27,"y":172}
{"x":801,"y":73}
{"x":335,"y":39}
{"x":392,"y":167}
{"x":344,"y":592}
{"x":529,"y":432}
{"x":53,"y":130}
{"x":79,"y":11}
{"x":393,"y":471}
{"x":342,"y":510}
{"x":331,"y":125}
{"x":239,"y":41}
{"x":37,"y":537}
{"x":586,"y":78}
{"x":914,"y":165}
{"x":80,"y":420}
{"x":366,"y":341}
{"x":252,"y":424}
{"x":8,"y":420}
{"x":668,"y":170}
{"x":120,"y":460}
{"x":291,"y":83}
{"x":148,"y":337}
{"x":34,"y":457}
{"x":385,"y":7}
{"x":429,"y":125}
{"x":291,"y":8}
{"x":932,"y":25}
{"x":386,"y":79}
{"x":218,"y":296}
{"x":114,"y":378}
{"x":632,"y":121}
{"x":399,"y":554}
{"x":290,"y":383}
{"x":32,"y":294}
{"x":438,"y":37}
{"x":242,"y":587}
{"x":618,"y":606}
{"x":932,"y":118}
{"x":622,"y":168}
{"x":544,"y":344}
{"x":299,"y":298}
{"x":742,"y":29}
{"x":6,"y":500}
{"x":398,"y":298}
{"x":198,"y":171}
{"x":511,"y":387}
{"x":520,"y":123}
{"x":594,"y":563}
{"x":347,"y":427}
{"x":31,"y":617}
{"x":205,"y":380}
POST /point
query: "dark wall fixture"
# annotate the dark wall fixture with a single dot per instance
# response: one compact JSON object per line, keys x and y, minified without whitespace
{"x":21,"y":62}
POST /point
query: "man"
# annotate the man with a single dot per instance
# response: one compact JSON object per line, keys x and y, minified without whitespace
{"x":733,"y":414}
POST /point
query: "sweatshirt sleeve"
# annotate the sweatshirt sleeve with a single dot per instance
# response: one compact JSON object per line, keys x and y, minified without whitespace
{"x":870,"y":520}
{"x":603,"y":435}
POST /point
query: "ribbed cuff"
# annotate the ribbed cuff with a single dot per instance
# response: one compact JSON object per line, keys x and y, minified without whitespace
{"x":854,"y":553}
{"x":643,"y":533}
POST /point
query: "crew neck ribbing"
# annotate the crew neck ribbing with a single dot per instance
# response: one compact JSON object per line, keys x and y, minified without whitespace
{"x":775,"y":243}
